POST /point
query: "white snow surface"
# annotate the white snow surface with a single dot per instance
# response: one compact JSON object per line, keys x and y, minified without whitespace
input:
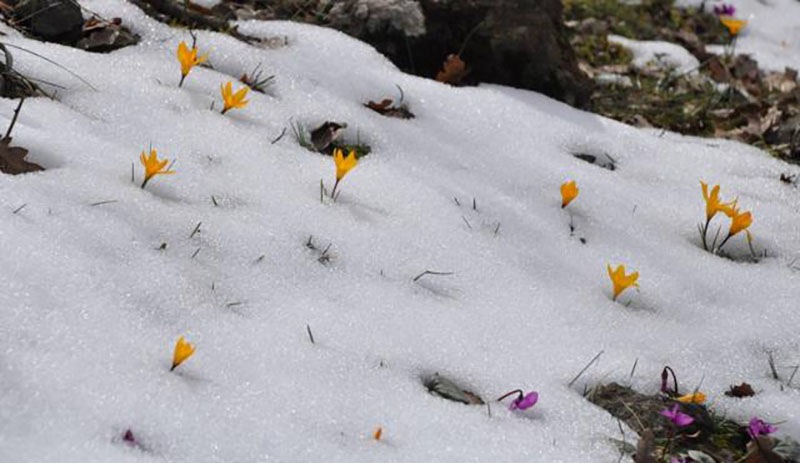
{"x":657,"y":54}
{"x":772,"y":35}
{"x":91,"y":308}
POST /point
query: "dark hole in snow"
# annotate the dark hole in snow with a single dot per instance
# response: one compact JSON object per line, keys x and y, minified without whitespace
{"x":448,"y":389}
{"x":603,"y":160}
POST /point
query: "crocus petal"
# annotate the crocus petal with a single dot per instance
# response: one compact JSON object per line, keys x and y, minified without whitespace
{"x":675,"y":416}
{"x":528,"y":401}
{"x":757,"y":427}
{"x":693,"y":398}
{"x":683,"y":419}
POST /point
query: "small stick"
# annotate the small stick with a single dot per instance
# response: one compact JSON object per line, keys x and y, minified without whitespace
{"x":279,"y":137}
{"x":196,"y":230}
{"x":497,"y":228}
{"x":466,"y":222}
{"x":792,"y":377}
{"x":310,"y":334}
{"x":457,"y":202}
{"x":431,"y":272}
{"x":20,"y":208}
{"x":489,"y":409}
{"x":585,"y":368}
{"x":14,"y":119}
{"x":260,"y":258}
{"x":214,"y":201}
{"x":772,"y":366}
{"x":233,"y":304}
{"x":100,"y":203}
{"x":474,"y":204}
{"x":132,"y":176}
{"x":196,"y":253}
{"x":633,"y":370}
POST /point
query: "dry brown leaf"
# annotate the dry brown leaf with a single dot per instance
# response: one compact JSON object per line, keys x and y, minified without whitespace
{"x":742,"y":390}
{"x":381,"y":107}
{"x":12,"y":159}
{"x":760,"y":451}
{"x":453,"y":70}
{"x":386,"y":108}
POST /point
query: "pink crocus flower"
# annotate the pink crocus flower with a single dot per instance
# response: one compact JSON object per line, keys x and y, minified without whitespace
{"x":677,"y":418}
{"x":724,"y":9}
{"x":757,"y":427}
{"x":524,"y":402}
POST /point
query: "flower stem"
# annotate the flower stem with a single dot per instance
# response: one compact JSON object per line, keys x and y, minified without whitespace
{"x":665,"y":376}
{"x":146,"y":179}
{"x":183,"y":77}
{"x":333,"y":192}
{"x":723,"y":242}
{"x":515,"y":391}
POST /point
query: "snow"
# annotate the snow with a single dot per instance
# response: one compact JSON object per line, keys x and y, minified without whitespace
{"x":92,"y":307}
{"x":772,"y":35}
{"x":657,"y":54}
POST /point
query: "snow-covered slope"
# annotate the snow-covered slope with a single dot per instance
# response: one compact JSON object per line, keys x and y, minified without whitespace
{"x":90,"y":306}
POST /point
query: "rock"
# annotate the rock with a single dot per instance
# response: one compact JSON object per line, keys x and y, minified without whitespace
{"x":519,"y":43}
{"x":786,"y":133}
{"x":367,"y":17}
{"x":102,"y":36}
{"x":51,"y":20}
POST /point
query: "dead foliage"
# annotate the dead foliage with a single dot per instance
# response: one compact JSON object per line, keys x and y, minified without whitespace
{"x":740,"y":391}
{"x":12,"y":159}
{"x":453,"y":70}
{"x":727,"y":96}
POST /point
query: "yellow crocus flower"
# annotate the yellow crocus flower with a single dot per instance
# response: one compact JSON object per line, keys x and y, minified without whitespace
{"x":733,"y":25}
{"x":188,"y":59}
{"x":739,"y":221}
{"x":713,"y":202}
{"x":343,"y":166}
{"x":621,"y":281}
{"x":153,"y":166}
{"x":694,"y":398}
{"x":569,"y":191}
{"x":233,"y":100}
{"x":183,"y":350}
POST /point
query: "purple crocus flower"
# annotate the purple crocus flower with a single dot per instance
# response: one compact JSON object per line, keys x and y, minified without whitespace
{"x":524,"y":402}
{"x":757,"y":427}
{"x":677,"y":418}
{"x":724,"y":9}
